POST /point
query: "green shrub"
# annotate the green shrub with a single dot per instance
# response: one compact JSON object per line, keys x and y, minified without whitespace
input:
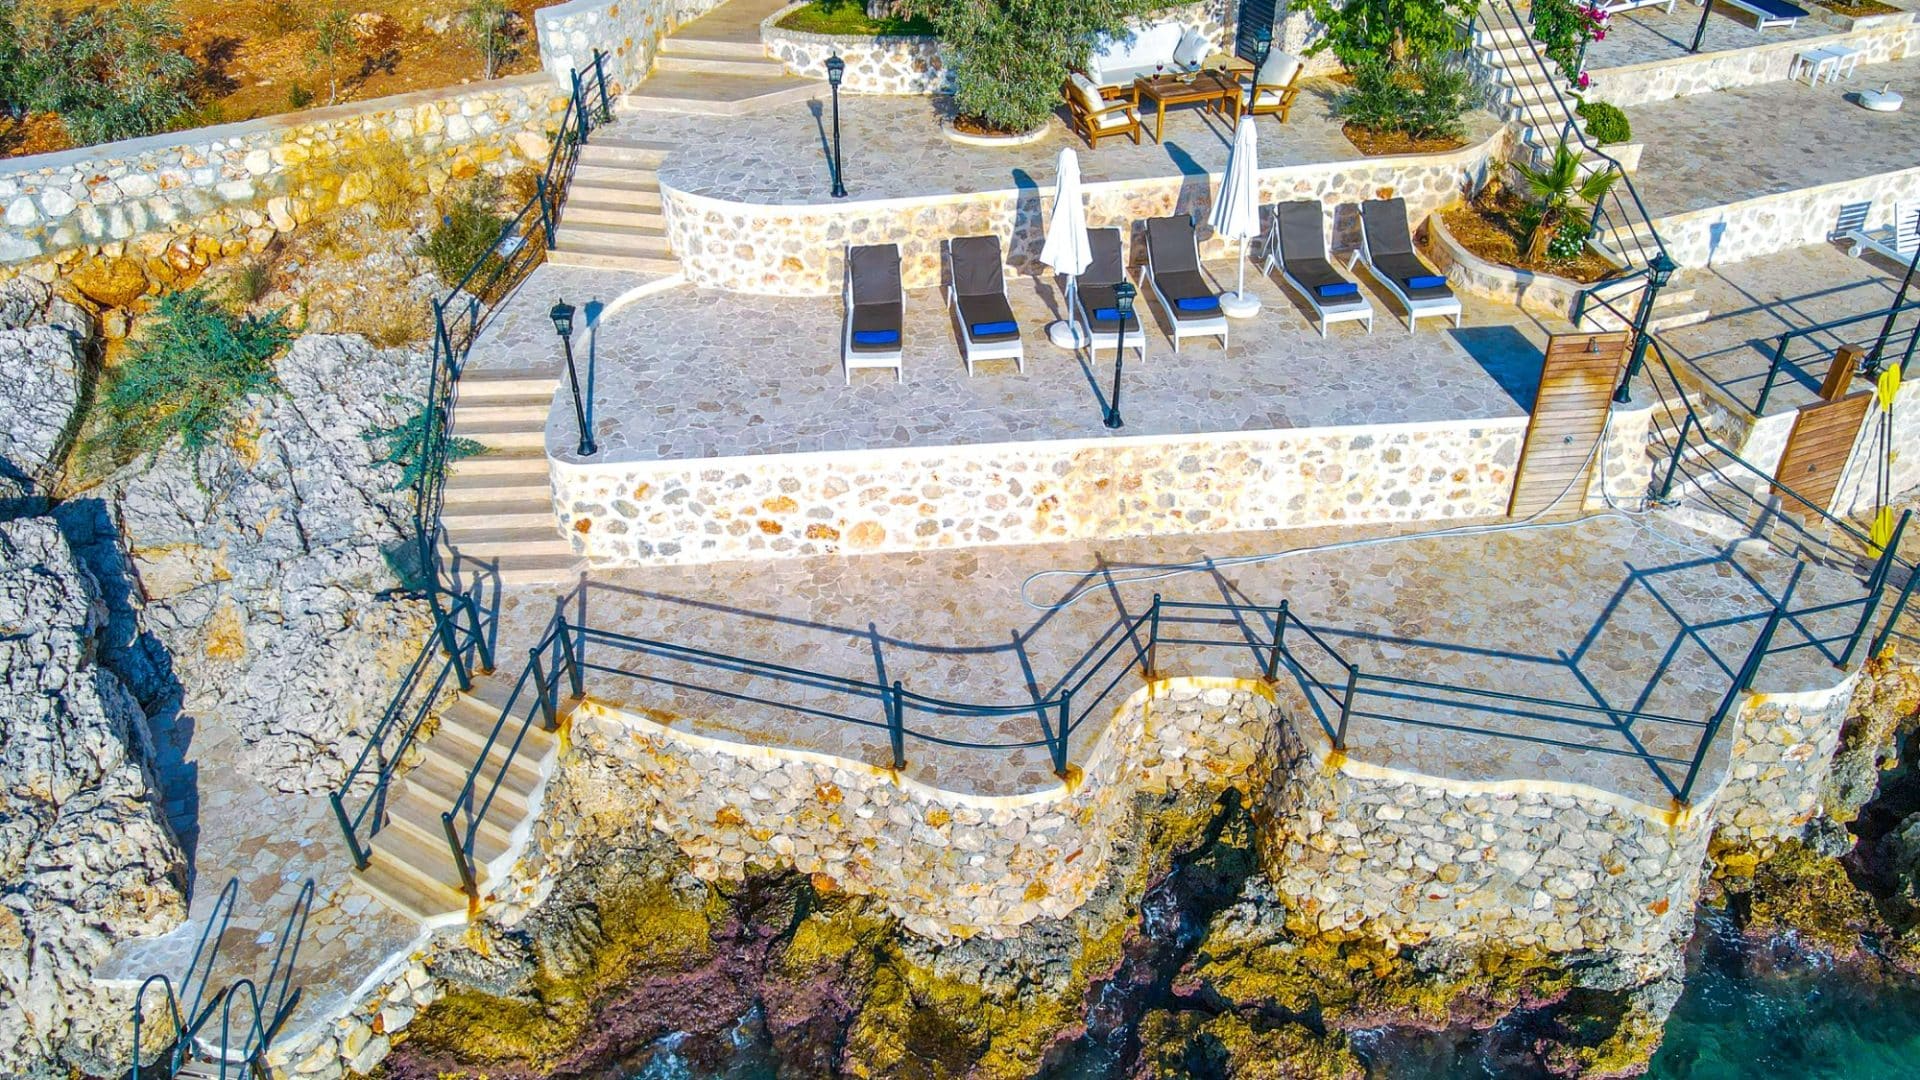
{"x":1606,"y":123}
{"x":484,"y":22}
{"x":469,"y":226}
{"x":1401,"y":34}
{"x":1430,"y":102}
{"x":298,"y":96}
{"x":849,"y":18}
{"x":108,"y":72}
{"x":406,"y":443}
{"x":332,"y":39}
{"x":186,"y":378}
{"x":1010,"y":56}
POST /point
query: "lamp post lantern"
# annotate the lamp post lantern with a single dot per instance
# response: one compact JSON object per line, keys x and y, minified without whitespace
{"x":1123,"y":304}
{"x":562,"y":316}
{"x":837,"y":70}
{"x":1262,"y":45}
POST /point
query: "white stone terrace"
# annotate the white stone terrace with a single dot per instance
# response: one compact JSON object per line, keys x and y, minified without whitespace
{"x":695,"y":373}
{"x":1632,"y":613}
{"x":1651,"y":34}
{"x":893,"y":148}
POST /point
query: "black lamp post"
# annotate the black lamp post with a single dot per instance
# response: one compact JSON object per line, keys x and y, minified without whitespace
{"x":1262,"y":45}
{"x":1659,"y":272}
{"x":1122,"y":303}
{"x":562,"y":315}
{"x":837,"y":70}
{"x":1871,"y":366}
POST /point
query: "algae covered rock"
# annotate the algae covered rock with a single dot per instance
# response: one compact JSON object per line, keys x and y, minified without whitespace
{"x":1183,"y":1044}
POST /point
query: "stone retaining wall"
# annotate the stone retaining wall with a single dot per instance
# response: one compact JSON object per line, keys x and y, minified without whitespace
{"x":652,"y":513}
{"x":357,"y":1041}
{"x":1880,"y":39}
{"x":797,"y":250}
{"x":948,"y":865}
{"x":902,"y":64}
{"x":230,"y":183}
{"x":1782,"y":751}
{"x":1541,"y":293}
{"x":1790,"y":219}
{"x":629,"y":31}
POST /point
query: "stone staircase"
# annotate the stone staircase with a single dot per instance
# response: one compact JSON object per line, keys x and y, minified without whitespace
{"x":612,"y":216}
{"x":497,"y":508}
{"x":411,"y":868}
{"x":717,"y":65}
{"x":1522,"y":93}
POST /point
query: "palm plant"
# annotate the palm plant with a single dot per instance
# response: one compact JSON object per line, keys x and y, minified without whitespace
{"x":1560,"y":201}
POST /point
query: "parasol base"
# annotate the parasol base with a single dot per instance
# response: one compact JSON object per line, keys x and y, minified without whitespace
{"x":1066,"y":334}
{"x":1239,"y":305}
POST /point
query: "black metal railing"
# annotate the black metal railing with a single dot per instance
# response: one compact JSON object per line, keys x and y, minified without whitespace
{"x":458,"y":316}
{"x":181,"y":1023}
{"x":1808,"y":352}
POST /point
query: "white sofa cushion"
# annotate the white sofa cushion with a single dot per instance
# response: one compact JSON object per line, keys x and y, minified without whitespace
{"x":1192,"y":49}
{"x":1089,"y":95}
{"x":1279,"y":68}
{"x":1117,"y":61}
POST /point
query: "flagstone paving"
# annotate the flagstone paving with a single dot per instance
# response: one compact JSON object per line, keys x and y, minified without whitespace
{"x":1713,"y":149}
{"x":1608,"y":611}
{"x":696,"y":373}
{"x":893,"y":148}
{"x":1651,"y":34}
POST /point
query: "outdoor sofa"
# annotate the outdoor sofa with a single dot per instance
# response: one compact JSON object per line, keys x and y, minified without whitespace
{"x":875,"y":330}
{"x":1297,"y":247}
{"x":1140,"y":52}
{"x":1386,"y":246}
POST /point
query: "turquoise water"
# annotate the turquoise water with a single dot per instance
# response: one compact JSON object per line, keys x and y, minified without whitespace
{"x":1768,"y":1011}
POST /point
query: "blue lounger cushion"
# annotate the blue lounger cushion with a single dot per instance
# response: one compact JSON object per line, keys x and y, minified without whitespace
{"x":1337,"y":289}
{"x":1106,"y":314}
{"x":876,"y":337}
{"x":1426,"y":281}
{"x":1004,"y":326}
{"x":1198,"y":303}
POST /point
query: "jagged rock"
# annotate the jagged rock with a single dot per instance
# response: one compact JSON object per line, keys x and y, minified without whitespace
{"x":85,"y":857}
{"x":111,"y":282}
{"x":261,"y":571}
{"x":1901,"y":850}
{"x":42,"y":351}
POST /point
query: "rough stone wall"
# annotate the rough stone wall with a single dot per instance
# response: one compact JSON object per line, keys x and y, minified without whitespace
{"x":629,"y":31}
{"x":1411,"y":859}
{"x":650,"y":513}
{"x":86,"y":858}
{"x":948,"y":865}
{"x":1469,"y":273}
{"x":1623,"y":473}
{"x":1782,"y":750}
{"x":42,"y":353}
{"x":1770,"y":223}
{"x":229,"y":184}
{"x":1880,"y":39}
{"x":797,"y":251}
{"x":875,"y":65}
{"x":360,"y":1040}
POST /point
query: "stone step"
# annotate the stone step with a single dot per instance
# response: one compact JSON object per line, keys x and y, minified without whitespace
{"x":582,"y":211}
{"x":640,"y":191}
{"x":498,"y":513}
{"x":538,"y":569}
{"x":443,"y":776}
{"x":613,"y":173}
{"x":680,"y":45}
{"x":415,"y":810}
{"x":601,"y":260}
{"x":476,"y":386}
{"x":395,"y":877}
{"x":531,"y":408}
{"x":1524,"y":74}
{"x":709,"y":65}
{"x":1491,"y":34}
{"x":1514,"y":55}
{"x":501,"y":434}
{"x":1678,"y":319}
{"x":480,"y":488}
{"x":615,"y":239}
{"x":466,"y":724}
{"x":509,"y":466}
{"x":485,"y":544}
{"x":711,"y":95}
{"x":608,"y":148}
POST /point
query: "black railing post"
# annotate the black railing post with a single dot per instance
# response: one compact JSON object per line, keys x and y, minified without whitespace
{"x":1153,"y":638}
{"x":1659,"y":272}
{"x":1876,"y":587}
{"x":1673,"y":462}
{"x":579,"y":103}
{"x":1899,"y":608}
{"x":1742,"y":681}
{"x":897,"y":724}
{"x":1773,"y":371}
{"x":360,"y":859}
{"x":467,"y":883}
{"x":546,"y":209}
{"x":1279,"y":644}
{"x":451,"y":643}
{"x":1346,"y":708}
{"x":480,"y":643}
{"x":576,"y":679}
{"x":600,"y":76}
{"x":1059,"y":740}
{"x":543,"y":690}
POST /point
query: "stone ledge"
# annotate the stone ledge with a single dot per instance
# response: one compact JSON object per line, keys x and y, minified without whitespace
{"x":1528,"y":290}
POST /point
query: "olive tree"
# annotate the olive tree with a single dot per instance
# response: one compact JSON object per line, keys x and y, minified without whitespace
{"x":1399,"y":33}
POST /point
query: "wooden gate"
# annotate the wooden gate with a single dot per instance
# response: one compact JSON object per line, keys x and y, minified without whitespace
{"x":1817,"y":451}
{"x":1569,"y":415}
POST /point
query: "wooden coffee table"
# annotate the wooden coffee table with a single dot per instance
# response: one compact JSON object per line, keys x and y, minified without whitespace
{"x":1208,"y":88}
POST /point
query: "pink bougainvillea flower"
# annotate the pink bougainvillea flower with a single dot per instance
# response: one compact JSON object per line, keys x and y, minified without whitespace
{"x":1584,"y":81}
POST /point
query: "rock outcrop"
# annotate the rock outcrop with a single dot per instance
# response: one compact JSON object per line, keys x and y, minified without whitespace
{"x":262,"y":570}
{"x":85,"y":856}
{"x":43,"y":342}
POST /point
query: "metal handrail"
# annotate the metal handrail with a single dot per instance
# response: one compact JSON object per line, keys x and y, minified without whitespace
{"x":1787,"y":337}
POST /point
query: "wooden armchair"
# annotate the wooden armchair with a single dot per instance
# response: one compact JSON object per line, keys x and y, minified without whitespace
{"x":1269,"y":97}
{"x":1097,"y":116}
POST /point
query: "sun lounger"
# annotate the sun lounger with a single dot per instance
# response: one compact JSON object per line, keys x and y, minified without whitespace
{"x":1174,"y":279}
{"x":1297,"y":247}
{"x":1093,"y":301}
{"x":1897,"y":241}
{"x":1386,"y":246}
{"x":1768,"y":12}
{"x":1615,"y":7}
{"x":875,"y":330}
{"x":978,"y":296}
